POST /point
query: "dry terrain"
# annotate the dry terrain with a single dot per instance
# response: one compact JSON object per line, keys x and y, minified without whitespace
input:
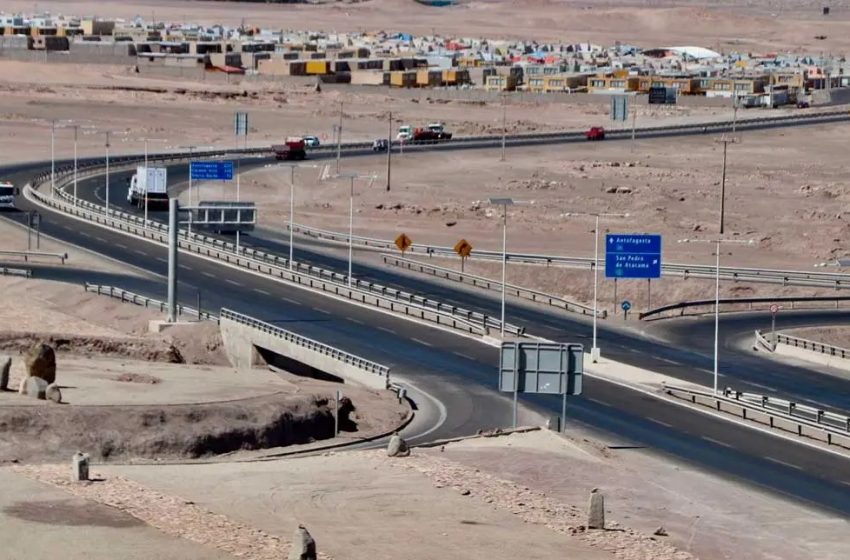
{"x":834,"y":336}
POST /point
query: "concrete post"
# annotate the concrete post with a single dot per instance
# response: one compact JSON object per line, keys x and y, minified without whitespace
{"x":172,"y":260}
{"x":80,"y":464}
{"x":596,"y":510}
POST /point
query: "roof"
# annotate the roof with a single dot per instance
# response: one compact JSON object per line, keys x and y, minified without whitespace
{"x":698,"y":53}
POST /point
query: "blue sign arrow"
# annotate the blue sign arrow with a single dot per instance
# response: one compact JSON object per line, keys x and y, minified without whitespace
{"x":626,"y":305}
{"x":632,"y":256}
{"x":212,"y":170}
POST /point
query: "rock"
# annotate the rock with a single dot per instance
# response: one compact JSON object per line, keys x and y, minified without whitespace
{"x":660,"y":532}
{"x":52,"y":393}
{"x":397,"y":447}
{"x":41,"y":362}
{"x":5,"y":365}
{"x":303,"y":545}
{"x":596,"y":510}
{"x":35,"y":387}
{"x":611,"y":190}
{"x":80,"y":467}
{"x":22,"y":386}
{"x":623,"y":190}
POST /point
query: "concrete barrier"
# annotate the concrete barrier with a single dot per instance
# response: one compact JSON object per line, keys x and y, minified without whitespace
{"x":813,"y":356}
{"x":243,"y":335}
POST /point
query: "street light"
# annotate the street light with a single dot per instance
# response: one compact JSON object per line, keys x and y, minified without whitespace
{"x":352,"y":177}
{"x":717,"y":242}
{"x":107,"y":173}
{"x":292,"y":167}
{"x":504,"y":203}
{"x":594,"y":351}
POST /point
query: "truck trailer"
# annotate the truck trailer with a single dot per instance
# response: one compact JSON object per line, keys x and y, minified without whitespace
{"x":151,"y":184}
{"x":7,"y":195}
{"x":293,"y":149}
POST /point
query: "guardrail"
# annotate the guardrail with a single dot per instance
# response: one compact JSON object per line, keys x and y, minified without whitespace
{"x":27,"y":255}
{"x":750,"y":303}
{"x":303,"y":341}
{"x":488,"y":284}
{"x":685,"y":271}
{"x":201,"y":245}
{"x":799,"y":419}
{"x":770,"y":342}
{"x":144,"y":301}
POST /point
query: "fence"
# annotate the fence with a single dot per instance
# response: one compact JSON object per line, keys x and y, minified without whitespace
{"x":749,"y":304}
{"x":130,"y":297}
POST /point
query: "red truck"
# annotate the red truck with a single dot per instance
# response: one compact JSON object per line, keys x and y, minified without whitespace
{"x":433,"y":133}
{"x":595,"y":133}
{"x":293,"y":148}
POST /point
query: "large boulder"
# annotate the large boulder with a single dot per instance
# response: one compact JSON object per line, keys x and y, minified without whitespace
{"x":35,"y":387}
{"x":41,"y":362}
{"x":5,"y":366}
{"x":303,"y":545}
{"x":596,"y":510}
{"x":53,"y":393}
{"x":397,"y":447}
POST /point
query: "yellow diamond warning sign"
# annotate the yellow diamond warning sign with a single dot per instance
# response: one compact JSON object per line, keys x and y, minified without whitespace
{"x":403,"y":242}
{"x":463,"y":248}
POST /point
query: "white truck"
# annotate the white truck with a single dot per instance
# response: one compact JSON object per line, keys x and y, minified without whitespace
{"x":149,"y":183}
{"x":7,"y":195}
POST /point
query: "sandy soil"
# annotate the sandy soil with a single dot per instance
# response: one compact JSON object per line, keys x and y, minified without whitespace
{"x":754,"y":25}
{"x":468,"y":496}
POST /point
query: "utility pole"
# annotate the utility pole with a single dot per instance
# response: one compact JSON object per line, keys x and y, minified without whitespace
{"x":389,"y":149}
{"x":76,"y":128}
{"x":339,"y":138}
{"x":107,"y":173}
{"x":504,"y":124}
{"x":634,"y":122}
{"x":52,"y":158}
{"x":172,"y":259}
{"x":725,"y":140}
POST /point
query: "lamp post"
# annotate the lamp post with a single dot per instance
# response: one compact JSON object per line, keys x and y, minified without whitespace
{"x":725,"y":140}
{"x":76,"y":130}
{"x":52,"y":158}
{"x":504,"y":203}
{"x":717,"y":243}
{"x":351,"y":177}
{"x":107,"y":173}
{"x":339,"y":139}
{"x":504,"y":124}
{"x":292,"y":167}
{"x":594,"y":351}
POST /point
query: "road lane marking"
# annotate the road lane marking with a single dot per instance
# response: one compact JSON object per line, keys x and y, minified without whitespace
{"x":353,"y":320}
{"x":665,"y":424}
{"x":320,"y":310}
{"x":760,"y":386}
{"x":783,"y":463}
{"x":160,"y":259}
{"x":102,"y":240}
{"x":207,"y":274}
{"x":462,"y":355}
{"x":120,"y":245}
{"x":717,"y":442}
{"x":422,"y":342}
{"x":386,"y":330}
{"x":84,"y":234}
{"x":597,"y":401}
{"x":668,"y":361}
{"x":233,"y":282}
{"x":259,"y":291}
{"x":292,"y":301}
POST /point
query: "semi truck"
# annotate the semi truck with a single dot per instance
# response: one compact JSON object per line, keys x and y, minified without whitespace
{"x":7,"y":195}
{"x":293,"y":149}
{"x":434,"y":132}
{"x":151,"y":184}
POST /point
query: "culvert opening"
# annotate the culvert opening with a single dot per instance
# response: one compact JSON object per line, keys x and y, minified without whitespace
{"x":279,"y":361}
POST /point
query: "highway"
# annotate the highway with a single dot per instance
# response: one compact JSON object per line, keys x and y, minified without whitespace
{"x":461,"y":373}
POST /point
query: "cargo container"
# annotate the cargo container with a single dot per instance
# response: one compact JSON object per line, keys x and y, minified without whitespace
{"x":317,"y":67}
{"x":148,"y":185}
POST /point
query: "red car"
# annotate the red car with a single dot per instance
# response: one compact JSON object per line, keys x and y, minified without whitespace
{"x":595,"y":133}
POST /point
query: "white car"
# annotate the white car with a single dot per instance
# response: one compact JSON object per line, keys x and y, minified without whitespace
{"x":312,"y":141}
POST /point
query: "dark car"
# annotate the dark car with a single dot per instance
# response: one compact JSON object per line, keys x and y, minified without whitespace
{"x":803,"y":104}
{"x":380,"y":145}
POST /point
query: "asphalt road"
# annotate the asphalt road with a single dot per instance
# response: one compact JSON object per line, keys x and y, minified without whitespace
{"x":462,"y":373}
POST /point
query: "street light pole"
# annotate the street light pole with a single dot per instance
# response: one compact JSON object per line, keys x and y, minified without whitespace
{"x":107,"y":173}
{"x":339,"y":139}
{"x":350,"y":230}
{"x":504,"y":124}
{"x":52,"y":158}
{"x":504,"y":264}
{"x":594,"y":351}
{"x":146,"y":183}
{"x":76,"y":128}
{"x":389,"y":149}
{"x":725,"y":141}
{"x":291,"y":214}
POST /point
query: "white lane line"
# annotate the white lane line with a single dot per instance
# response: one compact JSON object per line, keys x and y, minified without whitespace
{"x":783,"y":463}
{"x":667,"y":361}
{"x":353,"y":320}
{"x":292,"y":301}
{"x":233,"y":282}
{"x":207,"y":274}
{"x":844,"y":482}
{"x":84,"y":234}
{"x":120,"y":245}
{"x":760,"y":386}
{"x":259,"y":291}
{"x":160,"y":259}
{"x":665,"y":424}
{"x":386,"y":330}
{"x":422,"y":342}
{"x":320,"y":310}
{"x":102,"y":240}
{"x":184,"y":267}
{"x":716,"y":442}
{"x":462,"y":355}
{"x":597,"y":401}
{"x":140,"y":252}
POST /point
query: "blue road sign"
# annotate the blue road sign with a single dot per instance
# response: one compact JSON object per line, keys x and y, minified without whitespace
{"x":212,"y":170}
{"x":626,"y":305}
{"x":632,"y":256}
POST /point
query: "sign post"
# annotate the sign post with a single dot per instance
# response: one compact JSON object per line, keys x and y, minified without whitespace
{"x":541,"y":367}
{"x":403,"y":242}
{"x":626,"y":305}
{"x":774,"y":309}
{"x":464,"y":249}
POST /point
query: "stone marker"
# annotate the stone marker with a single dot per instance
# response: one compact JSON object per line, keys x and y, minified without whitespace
{"x":303,"y":545}
{"x":52,"y":393}
{"x":41,"y":362}
{"x":35,"y":387}
{"x":5,"y":365}
{"x":596,"y":510}
{"x":397,"y":447}
{"x":80,"y":467}
{"x":22,"y":386}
